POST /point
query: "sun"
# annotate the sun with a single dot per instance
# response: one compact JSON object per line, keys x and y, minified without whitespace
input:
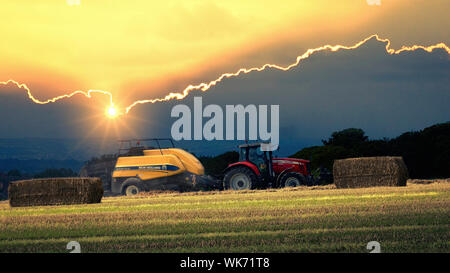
{"x":73,"y":2}
{"x":112,"y":112}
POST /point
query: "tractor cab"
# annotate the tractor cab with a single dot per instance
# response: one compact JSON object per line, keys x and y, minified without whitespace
{"x":261,"y":159}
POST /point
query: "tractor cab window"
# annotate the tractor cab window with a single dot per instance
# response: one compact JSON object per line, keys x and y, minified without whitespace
{"x":255,"y":154}
{"x":259,"y":158}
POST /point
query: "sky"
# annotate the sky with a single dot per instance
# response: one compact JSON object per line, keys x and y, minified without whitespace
{"x":147,"y":49}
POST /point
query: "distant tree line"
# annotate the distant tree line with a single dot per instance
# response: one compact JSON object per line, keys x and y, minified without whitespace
{"x":102,"y":158}
{"x":56,"y":173}
{"x":426,"y":152}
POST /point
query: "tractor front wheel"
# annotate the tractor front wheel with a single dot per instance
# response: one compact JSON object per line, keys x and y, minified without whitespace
{"x":239,"y":178}
{"x":131,"y":186}
{"x":292,"y":179}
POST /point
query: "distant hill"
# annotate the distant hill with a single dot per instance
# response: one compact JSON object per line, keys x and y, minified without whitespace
{"x":33,"y":166}
{"x":54,"y":149}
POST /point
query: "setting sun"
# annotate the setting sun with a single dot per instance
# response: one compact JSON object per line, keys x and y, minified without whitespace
{"x":112,"y":112}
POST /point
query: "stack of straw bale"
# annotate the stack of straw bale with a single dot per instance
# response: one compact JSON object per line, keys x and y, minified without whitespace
{"x":370,"y":172}
{"x":55,"y":191}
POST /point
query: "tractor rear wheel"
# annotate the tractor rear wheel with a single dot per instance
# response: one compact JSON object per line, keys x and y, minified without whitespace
{"x":239,"y":178}
{"x":292,"y":179}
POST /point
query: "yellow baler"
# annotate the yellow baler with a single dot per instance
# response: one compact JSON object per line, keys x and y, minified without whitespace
{"x":158,"y":169}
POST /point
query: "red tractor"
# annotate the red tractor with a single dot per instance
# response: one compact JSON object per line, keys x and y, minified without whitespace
{"x":257,"y":169}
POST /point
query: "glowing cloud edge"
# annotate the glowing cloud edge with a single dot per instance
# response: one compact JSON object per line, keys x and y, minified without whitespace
{"x":205,"y":86}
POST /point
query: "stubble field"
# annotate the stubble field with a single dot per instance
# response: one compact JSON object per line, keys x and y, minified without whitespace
{"x":415,"y":218}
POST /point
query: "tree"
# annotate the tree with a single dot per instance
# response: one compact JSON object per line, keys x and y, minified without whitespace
{"x":216,"y":165}
{"x":347,"y":138}
{"x":323,"y":156}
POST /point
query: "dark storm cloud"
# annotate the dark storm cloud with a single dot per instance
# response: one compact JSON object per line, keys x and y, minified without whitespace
{"x":383,"y":94}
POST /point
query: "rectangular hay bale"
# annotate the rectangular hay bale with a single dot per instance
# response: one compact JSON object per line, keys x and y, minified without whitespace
{"x":370,"y":172}
{"x":55,"y":191}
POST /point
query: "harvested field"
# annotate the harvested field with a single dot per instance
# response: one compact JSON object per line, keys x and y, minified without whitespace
{"x":369,"y":172}
{"x":415,"y":218}
{"x":55,"y":191}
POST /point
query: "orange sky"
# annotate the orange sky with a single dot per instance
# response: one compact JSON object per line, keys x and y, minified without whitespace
{"x":141,"y":49}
